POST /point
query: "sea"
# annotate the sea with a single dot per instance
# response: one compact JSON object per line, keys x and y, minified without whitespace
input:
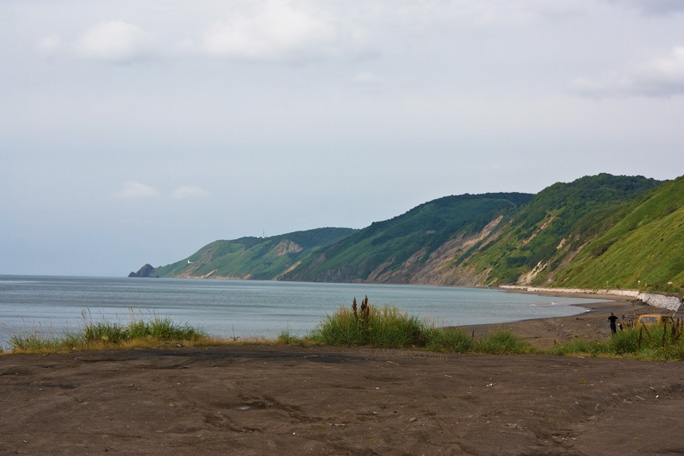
{"x":237,"y":309}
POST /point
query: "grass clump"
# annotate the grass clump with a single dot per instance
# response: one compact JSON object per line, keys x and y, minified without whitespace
{"x":583,"y":348}
{"x":287,"y":338}
{"x":102,"y":334}
{"x":385,"y":327}
{"x":502,"y":342}
{"x":33,"y":342}
{"x":653,"y":343}
{"x":112,"y":333}
{"x":448,"y":340}
{"x":155,"y":329}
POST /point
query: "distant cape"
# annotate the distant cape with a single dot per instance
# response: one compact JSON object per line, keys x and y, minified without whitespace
{"x":145,"y":271}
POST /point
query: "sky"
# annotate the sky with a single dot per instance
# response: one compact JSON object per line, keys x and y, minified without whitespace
{"x":136,"y":132}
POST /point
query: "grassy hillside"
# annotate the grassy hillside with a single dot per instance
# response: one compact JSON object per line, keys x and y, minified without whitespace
{"x":554,"y":226}
{"x":644,"y":249}
{"x":599,"y":231}
{"x":252,"y":257}
{"x":406,"y":241}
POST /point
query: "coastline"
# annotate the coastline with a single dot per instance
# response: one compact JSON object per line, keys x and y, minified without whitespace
{"x":591,"y":325}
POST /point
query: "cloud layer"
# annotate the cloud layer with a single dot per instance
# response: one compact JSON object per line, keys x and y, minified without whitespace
{"x":295,"y":114}
{"x":286,"y":32}
{"x":136,"y":190}
{"x":276,"y":31}
{"x":260,"y":31}
{"x":658,"y":77}
{"x":190,"y":192}
{"x":113,"y":41}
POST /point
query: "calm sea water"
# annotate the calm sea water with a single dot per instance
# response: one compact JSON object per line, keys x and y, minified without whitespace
{"x":232,"y":308}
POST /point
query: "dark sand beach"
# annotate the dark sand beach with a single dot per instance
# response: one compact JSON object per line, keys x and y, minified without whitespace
{"x":256,"y":400}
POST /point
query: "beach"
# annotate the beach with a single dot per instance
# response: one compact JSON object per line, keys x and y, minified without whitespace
{"x":274,"y":399}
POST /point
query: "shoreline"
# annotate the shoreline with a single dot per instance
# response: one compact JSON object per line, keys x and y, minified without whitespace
{"x":591,"y":325}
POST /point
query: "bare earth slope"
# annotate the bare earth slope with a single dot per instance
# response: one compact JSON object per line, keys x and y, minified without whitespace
{"x":258,"y":400}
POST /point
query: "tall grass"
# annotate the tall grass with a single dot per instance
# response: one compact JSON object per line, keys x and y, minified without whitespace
{"x":655,"y":342}
{"x":384,"y":327}
{"x":103,"y":334}
{"x":387,"y":327}
{"x":33,"y":342}
{"x":448,"y":340}
{"x":503,"y":342}
{"x":581,"y":347}
{"x":155,"y":328}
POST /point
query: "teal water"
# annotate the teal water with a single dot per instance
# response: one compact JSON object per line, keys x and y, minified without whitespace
{"x":233,"y":308}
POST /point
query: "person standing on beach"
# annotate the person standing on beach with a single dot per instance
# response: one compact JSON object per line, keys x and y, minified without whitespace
{"x":612,"y":320}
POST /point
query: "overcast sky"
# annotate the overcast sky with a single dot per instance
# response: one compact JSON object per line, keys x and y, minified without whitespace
{"x":139,"y":131}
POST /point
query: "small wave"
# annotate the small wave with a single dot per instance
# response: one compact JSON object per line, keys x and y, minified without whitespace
{"x":544,"y":304}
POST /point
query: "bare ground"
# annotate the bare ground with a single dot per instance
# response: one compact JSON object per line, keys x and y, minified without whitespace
{"x":254,"y":400}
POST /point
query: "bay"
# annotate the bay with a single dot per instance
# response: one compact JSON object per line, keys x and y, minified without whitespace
{"x":240,"y":309}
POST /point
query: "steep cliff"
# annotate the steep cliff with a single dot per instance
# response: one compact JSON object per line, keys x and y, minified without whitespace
{"x":415,"y":247}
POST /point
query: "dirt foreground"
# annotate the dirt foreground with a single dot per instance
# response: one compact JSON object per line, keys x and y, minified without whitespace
{"x":257,"y":400}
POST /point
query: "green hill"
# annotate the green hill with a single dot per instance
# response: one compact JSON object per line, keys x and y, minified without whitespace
{"x":252,"y":257}
{"x":554,"y":227}
{"x":644,"y":249}
{"x":407,"y":248}
{"x":599,"y":231}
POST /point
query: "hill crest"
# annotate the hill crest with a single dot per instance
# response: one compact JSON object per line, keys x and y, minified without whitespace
{"x":567,"y":235}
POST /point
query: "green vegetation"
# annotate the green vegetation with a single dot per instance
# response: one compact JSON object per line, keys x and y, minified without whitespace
{"x":503,"y":342}
{"x":396,"y":248}
{"x":252,"y":257}
{"x":447,"y":340}
{"x":596,"y":232}
{"x":98,"y":335}
{"x":365,"y":326}
{"x":157,"y":329}
{"x":37,"y":343}
{"x":582,"y":347}
{"x":652,"y":343}
{"x":387,"y":327}
{"x":560,"y":220}
{"x":641,"y":251}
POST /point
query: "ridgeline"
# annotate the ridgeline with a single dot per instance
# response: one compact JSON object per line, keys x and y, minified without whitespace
{"x":599,"y":231}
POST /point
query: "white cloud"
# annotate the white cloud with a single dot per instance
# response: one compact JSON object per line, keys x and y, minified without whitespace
{"x":188,"y":191}
{"x":133,"y":190}
{"x":653,"y":7}
{"x":50,"y":43}
{"x":113,"y":41}
{"x":367,"y":78}
{"x":660,"y":76}
{"x":272,"y":31}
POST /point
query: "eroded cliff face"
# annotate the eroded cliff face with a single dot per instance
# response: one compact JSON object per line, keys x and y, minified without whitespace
{"x":441,"y":267}
{"x":286,"y":246}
